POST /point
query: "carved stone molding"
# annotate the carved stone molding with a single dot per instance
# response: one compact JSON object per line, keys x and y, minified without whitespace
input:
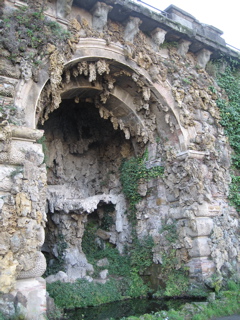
{"x":191,"y":154}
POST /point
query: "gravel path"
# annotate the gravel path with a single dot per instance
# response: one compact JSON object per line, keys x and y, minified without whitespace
{"x":234,"y":317}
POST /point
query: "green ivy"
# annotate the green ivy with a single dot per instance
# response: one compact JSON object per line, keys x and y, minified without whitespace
{"x":141,"y":253}
{"x":171,"y":229}
{"x":133,"y":171}
{"x":138,"y":256}
{"x":229,"y":80}
{"x":174,"y":276}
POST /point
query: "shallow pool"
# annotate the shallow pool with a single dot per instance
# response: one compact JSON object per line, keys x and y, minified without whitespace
{"x":125,"y":308}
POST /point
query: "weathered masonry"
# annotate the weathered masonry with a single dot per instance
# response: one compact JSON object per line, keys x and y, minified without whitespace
{"x":127,"y":80}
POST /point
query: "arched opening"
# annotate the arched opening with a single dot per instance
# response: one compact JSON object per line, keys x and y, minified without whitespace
{"x":83,"y":157}
{"x":106,"y":114}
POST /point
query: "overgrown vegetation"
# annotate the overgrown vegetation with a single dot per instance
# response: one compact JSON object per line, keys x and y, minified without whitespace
{"x":16,"y":316}
{"x":124,"y":273}
{"x":123,"y":270}
{"x":228,"y":78}
{"x":27,"y":31}
{"x":173,"y":275}
{"x":227,"y":303}
{"x":133,"y":171}
{"x":175,"y":279}
{"x":57,"y":264}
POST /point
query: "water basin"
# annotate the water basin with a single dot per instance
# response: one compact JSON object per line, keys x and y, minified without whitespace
{"x":126,"y":308}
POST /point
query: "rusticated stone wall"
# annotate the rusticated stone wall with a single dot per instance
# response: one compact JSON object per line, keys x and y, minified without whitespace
{"x":117,"y":91}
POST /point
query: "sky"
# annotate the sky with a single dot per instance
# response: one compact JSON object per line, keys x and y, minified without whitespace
{"x":221,"y":14}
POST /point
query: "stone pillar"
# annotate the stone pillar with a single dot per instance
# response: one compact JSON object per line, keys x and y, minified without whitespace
{"x":183,"y":47}
{"x":158,"y":37}
{"x":63,"y":9}
{"x":131,"y":28}
{"x":203,"y":56}
{"x":190,"y":211}
{"x":100,"y":15}
{"x":199,"y":229}
{"x":22,"y":199}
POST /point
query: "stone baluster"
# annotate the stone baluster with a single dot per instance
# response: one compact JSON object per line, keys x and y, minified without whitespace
{"x":131,"y":28}
{"x":158,"y":37}
{"x":183,"y":47}
{"x":100,"y":15}
{"x":203,"y":56}
{"x":64,"y":9}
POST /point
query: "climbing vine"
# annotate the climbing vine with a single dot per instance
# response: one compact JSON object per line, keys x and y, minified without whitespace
{"x":229,"y":80}
{"x":133,"y":171}
{"x":174,"y":275}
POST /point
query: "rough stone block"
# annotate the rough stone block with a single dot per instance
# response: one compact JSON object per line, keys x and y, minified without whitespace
{"x":7,"y":272}
{"x":103,"y":262}
{"x":200,"y":248}
{"x":200,"y":227}
{"x":6,"y":174}
{"x":33,"y":292}
{"x":103,"y":274}
{"x":60,"y":276}
{"x":19,"y":149}
{"x":202,"y":266}
{"x":208,"y":210}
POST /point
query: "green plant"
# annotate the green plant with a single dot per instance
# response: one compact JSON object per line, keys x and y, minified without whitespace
{"x":141,"y":253}
{"x":16,"y":316}
{"x":228,"y":304}
{"x":171,"y":229}
{"x":213,"y":89}
{"x":173,"y":275}
{"x":233,"y":285}
{"x":227,"y":73}
{"x":229,"y":80}
{"x":83,"y":293}
{"x":174,"y":278}
{"x":107,"y":222}
{"x":42,"y":141}
{"x":133,"y":171}
{"x":58,"y":263}
{"x":186,"y":80}
{"x":28,"y":27}
{"x":169,"y":44}
{"x":124,"y":271}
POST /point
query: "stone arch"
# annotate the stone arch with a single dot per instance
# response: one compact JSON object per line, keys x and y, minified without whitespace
{"x":167,"y":116}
